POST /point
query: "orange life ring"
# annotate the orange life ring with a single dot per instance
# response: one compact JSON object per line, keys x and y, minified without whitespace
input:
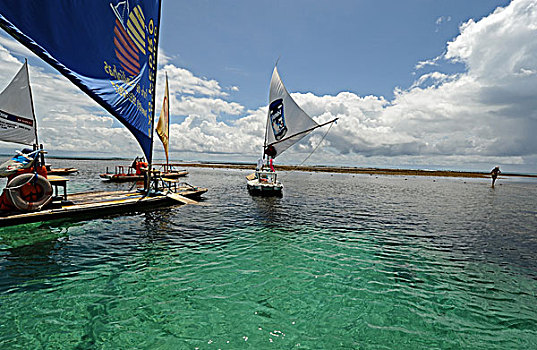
{"x":29,"y":192}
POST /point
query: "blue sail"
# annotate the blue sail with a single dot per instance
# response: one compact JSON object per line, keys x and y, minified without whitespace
{"x":107,"y":48}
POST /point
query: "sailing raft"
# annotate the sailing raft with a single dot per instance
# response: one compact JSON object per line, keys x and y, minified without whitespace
{"x":138,"y":168}
{"x":78,"y":206}
{"x":60,"y":171}
{"x":136,"y":172}
{"x":286,"y":124}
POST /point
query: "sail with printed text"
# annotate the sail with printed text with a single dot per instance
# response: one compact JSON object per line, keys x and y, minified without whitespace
{"x":107,"y":48}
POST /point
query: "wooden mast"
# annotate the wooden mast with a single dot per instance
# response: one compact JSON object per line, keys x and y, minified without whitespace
{"x":150,"y":165}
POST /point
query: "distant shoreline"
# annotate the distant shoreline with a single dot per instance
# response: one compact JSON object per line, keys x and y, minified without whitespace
{"x":325,"y":169}
{"x":351,"y":170}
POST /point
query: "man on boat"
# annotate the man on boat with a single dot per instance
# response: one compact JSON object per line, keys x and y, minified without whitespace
{"x":271,"y":165}
{"x":139,"y":165}
{"x":259,"y":165}
{"x":494,"y":174}
{"x":271,"y":152}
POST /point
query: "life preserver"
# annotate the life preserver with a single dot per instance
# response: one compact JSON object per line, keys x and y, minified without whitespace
{"x":29,"y":192}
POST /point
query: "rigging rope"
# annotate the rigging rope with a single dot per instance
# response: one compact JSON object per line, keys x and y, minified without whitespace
{"x":22,"y":185}
{"x":309,"y":155}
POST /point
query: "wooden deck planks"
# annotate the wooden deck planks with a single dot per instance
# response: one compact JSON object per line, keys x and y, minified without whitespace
{"x":100,"y":204}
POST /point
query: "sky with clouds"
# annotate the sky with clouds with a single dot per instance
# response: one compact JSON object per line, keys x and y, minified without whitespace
{"x":450,"y":86}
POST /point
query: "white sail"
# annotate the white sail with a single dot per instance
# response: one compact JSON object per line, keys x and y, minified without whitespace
{"x":17,"y":120}
{"x":287,"y":122}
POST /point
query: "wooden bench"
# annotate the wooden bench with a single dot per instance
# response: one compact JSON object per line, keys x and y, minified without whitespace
{"x":58,"y":181}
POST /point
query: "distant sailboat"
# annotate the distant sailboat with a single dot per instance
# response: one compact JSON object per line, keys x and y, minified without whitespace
{"x":17,"y":117}
{"x":163,"y":132}
{"x":286,"y":124}
{"x":18,"y":125}
{"x":163,"y":125}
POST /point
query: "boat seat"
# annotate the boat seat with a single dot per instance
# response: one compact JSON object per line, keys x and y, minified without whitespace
{"x":170,"y":180}
{"x":56,"y":182}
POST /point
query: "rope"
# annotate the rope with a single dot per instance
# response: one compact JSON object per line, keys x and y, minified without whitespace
{"x":133,"y":185}
{"x":309,"y":155}
{"x":24,"y":184}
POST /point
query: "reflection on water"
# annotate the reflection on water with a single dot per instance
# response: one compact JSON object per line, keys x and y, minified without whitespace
{"x":339,"y":261}
{"x":269,"y":210}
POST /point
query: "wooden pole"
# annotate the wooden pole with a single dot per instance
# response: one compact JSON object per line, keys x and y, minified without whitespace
{"x":150,"y":161}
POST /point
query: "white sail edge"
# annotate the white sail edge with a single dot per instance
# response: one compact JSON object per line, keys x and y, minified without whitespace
{"x":17,"y":117}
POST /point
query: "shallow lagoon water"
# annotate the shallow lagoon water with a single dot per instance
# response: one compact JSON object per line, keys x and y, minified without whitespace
{"x":341,"y":261}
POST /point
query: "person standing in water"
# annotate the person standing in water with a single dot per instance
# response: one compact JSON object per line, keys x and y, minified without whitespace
{"x":494,"y":174}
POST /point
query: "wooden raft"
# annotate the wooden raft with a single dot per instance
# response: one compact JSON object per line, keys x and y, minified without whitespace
{"x":100,"y":204}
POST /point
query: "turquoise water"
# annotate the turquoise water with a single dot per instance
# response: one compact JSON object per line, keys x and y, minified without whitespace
{"x":340,"y":262}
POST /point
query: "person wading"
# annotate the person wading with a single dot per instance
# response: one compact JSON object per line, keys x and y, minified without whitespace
{"x":494,"y":174}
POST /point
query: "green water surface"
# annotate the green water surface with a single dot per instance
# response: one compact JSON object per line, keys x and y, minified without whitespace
{"x":370,"y":267}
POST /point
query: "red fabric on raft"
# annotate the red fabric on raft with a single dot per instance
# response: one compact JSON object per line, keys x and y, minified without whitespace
{"x":141,"y":167}
{"x":5,"y":202}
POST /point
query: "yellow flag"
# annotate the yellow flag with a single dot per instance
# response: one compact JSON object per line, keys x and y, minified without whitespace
{"x":163,"y":125}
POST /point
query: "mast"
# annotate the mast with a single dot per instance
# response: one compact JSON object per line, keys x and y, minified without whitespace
{"x":266,"y":130}
{"x":268,"y":116}
{"x":32,"y":101}
{"x":150,"y":165}
{"x":168,"y":122}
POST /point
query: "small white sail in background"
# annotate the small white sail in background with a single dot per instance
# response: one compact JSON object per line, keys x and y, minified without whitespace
{"x":287,"y":123}
{"x":17,"y":119}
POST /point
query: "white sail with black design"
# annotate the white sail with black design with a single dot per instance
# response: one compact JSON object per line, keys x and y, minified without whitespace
{"x":17,"y":118}
{"x":287,"y":123}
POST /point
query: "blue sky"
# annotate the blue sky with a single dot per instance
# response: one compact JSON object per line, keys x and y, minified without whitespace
{"x":419,"y":84}
{"x":367,"y":47}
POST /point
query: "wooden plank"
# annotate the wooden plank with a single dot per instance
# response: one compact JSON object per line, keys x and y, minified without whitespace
{"x":99,"y":204}
{"x":89,"y":209}
{"x":166,"y":179}
{"x":55,"y":178}
{"x":181,"y":199}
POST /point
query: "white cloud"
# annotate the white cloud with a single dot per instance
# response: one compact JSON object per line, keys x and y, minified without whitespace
{"x":423,"y":64}
{"x":182,"y":81}
{"x":163,"y":57}
{"x":434,"y":78}
{"x":13,"y":47}
{"x":443,"y":19}
{"x":203,"y":106}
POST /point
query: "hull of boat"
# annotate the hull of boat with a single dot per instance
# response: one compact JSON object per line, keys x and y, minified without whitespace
{"x":133,"y":177}
{"x":258,"y":189}
{"x":96,"y":205}
{"x":61,"y":171}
